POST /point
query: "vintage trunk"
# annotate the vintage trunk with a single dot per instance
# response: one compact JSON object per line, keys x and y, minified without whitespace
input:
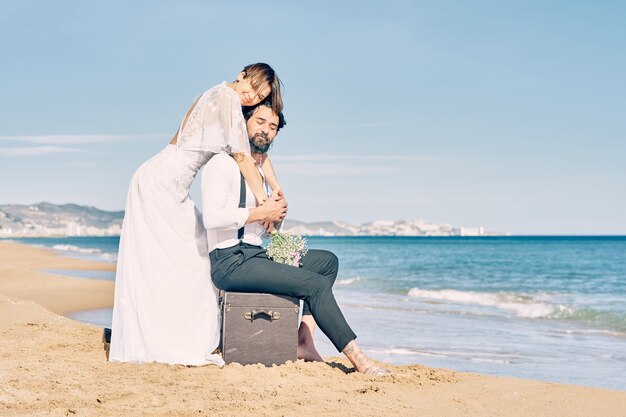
{"x":259,"y":328}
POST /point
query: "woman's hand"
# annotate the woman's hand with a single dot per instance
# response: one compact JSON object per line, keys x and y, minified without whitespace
{"x":278,"y":192}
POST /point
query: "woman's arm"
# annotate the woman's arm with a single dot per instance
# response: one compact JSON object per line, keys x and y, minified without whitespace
{"x":252,"y":175}
{"x":270,"y":176}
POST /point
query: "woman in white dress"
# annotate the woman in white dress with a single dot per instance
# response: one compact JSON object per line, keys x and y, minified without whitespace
{"x":165,"y":307}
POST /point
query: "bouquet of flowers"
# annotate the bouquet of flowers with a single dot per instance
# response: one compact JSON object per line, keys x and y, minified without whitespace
{"x":286,"y":249}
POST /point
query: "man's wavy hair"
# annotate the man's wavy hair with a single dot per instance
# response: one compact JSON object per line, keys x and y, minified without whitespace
{"x":248,"y":111}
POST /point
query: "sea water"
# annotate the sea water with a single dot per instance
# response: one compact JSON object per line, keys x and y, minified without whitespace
{"x":545,"y":308}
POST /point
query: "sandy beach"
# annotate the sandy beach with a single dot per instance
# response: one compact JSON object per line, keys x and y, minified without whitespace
{"x":55,"y":366}
{"x":22,"y":276}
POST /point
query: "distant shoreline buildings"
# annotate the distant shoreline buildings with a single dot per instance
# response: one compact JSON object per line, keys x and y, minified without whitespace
{"x":52,"y":220}
{"x":384,"y":228}
{"x":70,"y":230}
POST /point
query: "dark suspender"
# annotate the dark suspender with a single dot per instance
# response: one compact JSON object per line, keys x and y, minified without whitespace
{"x":242,"y":203}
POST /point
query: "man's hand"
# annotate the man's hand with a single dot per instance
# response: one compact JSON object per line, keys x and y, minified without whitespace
{"x":275,"y":208}
{"x":272,"y":210}
{"x":269,"y":226}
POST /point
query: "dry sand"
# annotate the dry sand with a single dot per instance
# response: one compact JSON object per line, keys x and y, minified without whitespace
{"x":51,"y":365}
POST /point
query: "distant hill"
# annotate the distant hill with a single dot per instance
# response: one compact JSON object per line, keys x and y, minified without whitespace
{"x":47,"y":219}
{"x":382,"y":228}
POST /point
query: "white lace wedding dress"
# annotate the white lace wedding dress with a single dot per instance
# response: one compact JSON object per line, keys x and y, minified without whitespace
{"x":165,"y":307}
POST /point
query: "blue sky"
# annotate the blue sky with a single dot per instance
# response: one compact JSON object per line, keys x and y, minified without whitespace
{"x":507,"y":115}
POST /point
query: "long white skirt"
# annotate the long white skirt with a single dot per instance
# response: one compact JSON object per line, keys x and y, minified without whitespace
{"x":165,"y":306}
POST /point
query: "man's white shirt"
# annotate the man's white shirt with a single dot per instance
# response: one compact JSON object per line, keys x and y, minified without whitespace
{"x":222,"y":217}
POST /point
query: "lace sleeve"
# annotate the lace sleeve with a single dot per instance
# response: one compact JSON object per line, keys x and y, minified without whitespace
{"x":216,"y":124}
{"x":233,"y":123}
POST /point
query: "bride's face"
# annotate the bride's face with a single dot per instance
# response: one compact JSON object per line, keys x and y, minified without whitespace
{"x":249,"y":95}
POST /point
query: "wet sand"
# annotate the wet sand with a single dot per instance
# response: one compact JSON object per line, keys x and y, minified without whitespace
{"x":53,"y":366}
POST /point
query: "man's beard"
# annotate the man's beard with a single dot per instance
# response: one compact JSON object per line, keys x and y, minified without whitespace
{"x":260,"y":147}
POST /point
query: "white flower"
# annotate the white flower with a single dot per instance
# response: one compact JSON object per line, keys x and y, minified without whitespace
{"x":287,"y":249}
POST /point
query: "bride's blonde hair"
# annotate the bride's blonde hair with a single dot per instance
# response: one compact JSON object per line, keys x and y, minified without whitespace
{"x":261,"y":73}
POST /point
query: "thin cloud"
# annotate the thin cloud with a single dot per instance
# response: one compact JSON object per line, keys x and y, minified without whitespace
{"x":334,"y":169}
{"x":82,"y":164}
{"x":373,"y":124}
{"x":353,"y":125}
{"x":347,"y":165}
{"x":79,"y":139}
{"x":411,"y":158}
{"x":37,"y":150}
{"x":349,"y":158}
{"x":311,"y":157}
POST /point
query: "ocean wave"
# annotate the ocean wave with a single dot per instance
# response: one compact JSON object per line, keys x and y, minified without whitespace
{"x":475,"y":356}
{"x":108,"y":257}
{"x":521,"y":305}
{"x":88,"y":253}
{"x":347,"y":281}
{"x":406,"y":352}
{"x":536,"y":306}
{"x":72,"y":248}
{"x":600,"y":320}
{"x":602,"y":332}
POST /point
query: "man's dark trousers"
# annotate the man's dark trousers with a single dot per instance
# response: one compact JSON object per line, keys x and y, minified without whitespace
{"x":246,"y":268}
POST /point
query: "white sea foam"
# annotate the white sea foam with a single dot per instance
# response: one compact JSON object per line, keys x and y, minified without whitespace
{"x":89,"y":253}
{"x":602,"y":332}
{"x":472,"y":356}
{"x":108,"y":257}
{"x":347,"y":281}
{"x":405,"y":352}
{"x":522,"y":305}
{"x":72,"y":248}
{"x":502,"y":361}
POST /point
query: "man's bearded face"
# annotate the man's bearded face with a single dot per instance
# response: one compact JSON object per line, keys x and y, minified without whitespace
{"x":260,"y":143}
{"x":262,"y":129}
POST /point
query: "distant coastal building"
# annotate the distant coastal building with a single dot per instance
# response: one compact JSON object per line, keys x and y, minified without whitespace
{"x":52,"y":220}
{"x":472,"y":231}
{"x":383,"y":228}
{"x":6,"y":231}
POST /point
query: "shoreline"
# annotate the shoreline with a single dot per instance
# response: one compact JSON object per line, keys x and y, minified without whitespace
{"x":22,"y":276}
{"x":57,"y":366}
